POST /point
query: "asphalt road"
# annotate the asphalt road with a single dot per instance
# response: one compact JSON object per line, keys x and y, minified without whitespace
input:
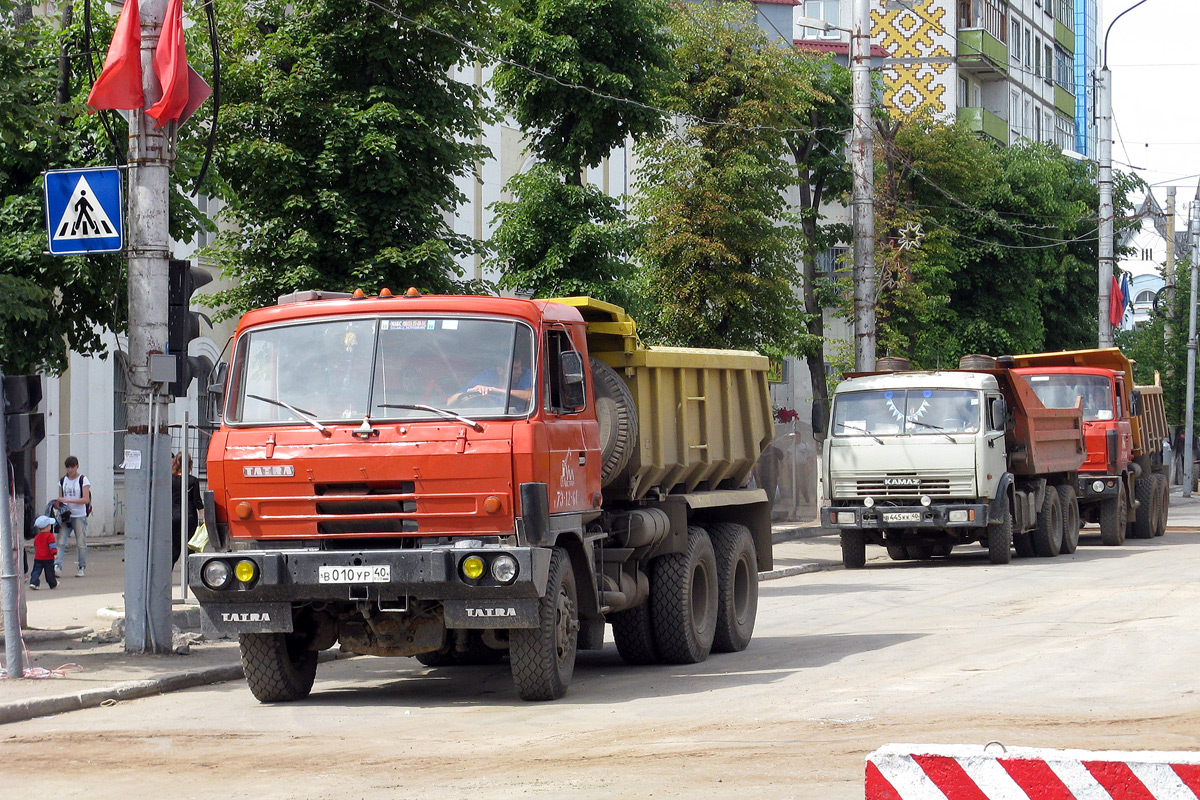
{"x":1095,"y":651}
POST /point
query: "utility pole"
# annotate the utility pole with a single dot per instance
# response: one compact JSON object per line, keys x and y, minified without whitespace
{"x":862,"y":165}
{"x":10,"y":572}
{"x":1170,"y":270}
{"x":1189,"y":477}
{"x":147,"y":445}
{"x":1104,"y":153}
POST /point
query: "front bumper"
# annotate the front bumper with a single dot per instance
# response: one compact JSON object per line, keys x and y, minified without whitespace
{"x":934,"y":517}
{"x":1085,"y":487}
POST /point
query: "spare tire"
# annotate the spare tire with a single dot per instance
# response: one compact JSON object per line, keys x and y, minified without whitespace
{"x":618,"y":420}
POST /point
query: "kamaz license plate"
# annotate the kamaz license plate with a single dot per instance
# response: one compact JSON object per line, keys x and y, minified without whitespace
{"x":360,"y":574}
{"x":902,"y":516}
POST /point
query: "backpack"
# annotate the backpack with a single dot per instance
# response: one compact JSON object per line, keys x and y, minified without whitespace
{"x":62,"y":485}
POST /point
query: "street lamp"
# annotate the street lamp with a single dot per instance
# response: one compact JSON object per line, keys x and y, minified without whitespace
{"x":862,"y":167}
{"x":1104,"y":180}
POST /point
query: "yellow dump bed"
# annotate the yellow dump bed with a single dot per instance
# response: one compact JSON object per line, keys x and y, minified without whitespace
{"x":704,"y":415}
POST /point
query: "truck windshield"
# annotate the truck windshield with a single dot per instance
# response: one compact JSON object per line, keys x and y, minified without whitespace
{"x":387,"y":367}
{"x":1065,"y":390}
{"x":916,"y":412}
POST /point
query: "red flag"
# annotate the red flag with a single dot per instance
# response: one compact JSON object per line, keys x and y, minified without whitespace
{"x":198,"y":92}
{"x":1116,"y":303}
{"x":171,"y":67}
{"x":120,"y":82}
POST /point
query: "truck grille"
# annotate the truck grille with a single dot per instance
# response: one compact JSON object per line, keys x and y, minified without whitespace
{"x":348,"y":508}
{"x":935,"y":483}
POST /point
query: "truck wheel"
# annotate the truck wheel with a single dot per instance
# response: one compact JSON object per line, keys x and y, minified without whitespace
{"x":543,"y":658}
{"x":1048,"y":529}
{"x":684,"y":601}
{"x":919,"y":552}
{"x":854,"y":549}
{"x":737,"y":586}
{"x":1070,"y":516}
{"x":633,"y":632}
{"x":617,"y":418}
{"x":1164,"y":504}
{"x":279,"y":667}
{"x":1113,"y":516}
{"x":896,"y":552}
{"x":1000,"y":538}
{"x":1146,"y":492}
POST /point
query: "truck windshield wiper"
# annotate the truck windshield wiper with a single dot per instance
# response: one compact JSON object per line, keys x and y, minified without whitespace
{"x":447,"y":414}
{"x":860,"y":430}
{"x":937,"y":428}
{"x":306,"y":416}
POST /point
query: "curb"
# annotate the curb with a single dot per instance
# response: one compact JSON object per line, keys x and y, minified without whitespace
{"x":787,"y":572}
{"x":39,"y":636}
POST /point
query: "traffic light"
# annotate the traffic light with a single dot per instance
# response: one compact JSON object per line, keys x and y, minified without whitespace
{"x":183,"y":324}
{"x":24,"y":428}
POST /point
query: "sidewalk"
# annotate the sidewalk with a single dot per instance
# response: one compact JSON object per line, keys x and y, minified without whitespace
{"x":70,"y":637}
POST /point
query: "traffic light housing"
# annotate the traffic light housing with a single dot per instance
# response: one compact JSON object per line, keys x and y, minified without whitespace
{"x":183,"y":324}
{"x":24,"y":428}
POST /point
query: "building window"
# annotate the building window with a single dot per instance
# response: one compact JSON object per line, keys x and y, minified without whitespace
{"x":1147,"y":254}
{"x":976,"y":96}
{"x":1014,"y":116}
{"x":1062,"y":69}
{"x":1037,"y":56}
{"x":1037,"y":127}
{"x":1146,"y":297}
{"x":964,"y":92}
{"x":1028,"y":48}
{"x":827,"y":10}
{"x":1049,"y":65}
{"x":1016,"y":41}
{"x":830,"y":260}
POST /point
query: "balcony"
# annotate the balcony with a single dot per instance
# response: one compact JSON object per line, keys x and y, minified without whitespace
{"x":983,"y":121}
{"x":982,"y":54}
{"x":1064,"y":101}
{"x":1064,"y":36}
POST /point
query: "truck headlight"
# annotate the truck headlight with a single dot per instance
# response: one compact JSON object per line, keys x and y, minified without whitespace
{"x":869,"y":502}
{"x":504,"y":569}
{"x":245,"y":571}
{"x":959,"y":515}
{"x":926,"y":500}
{"x":472,"y":567}
{"x":1097,"y":486}
{"x":216,"y":574}
{"x":844,"y":517}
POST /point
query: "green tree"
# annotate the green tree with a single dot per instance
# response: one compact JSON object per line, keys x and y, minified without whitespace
{"x":342,"y":134}
{"x":557,"y":236}
{"x":721,"y":246}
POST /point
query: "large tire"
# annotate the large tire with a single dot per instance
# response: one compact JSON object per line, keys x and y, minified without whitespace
{"x":633,"y":631}
{"x":896,"y":552}
{"x":1048,"y":528}
{"x":1114,"y":513}
{"x":1164,"y":503}
{"x":543,"y":658}
{"x":919,"y":552}
{"x":683,"y":594}
{"x":737,"y":586}
{"x":1146,"y":492}
{"x":854,"y":549}
{"x":1070,"y":516}
{"x":279,"y":667}
{"x":1000,"y":538}
{"x":617,"y":418}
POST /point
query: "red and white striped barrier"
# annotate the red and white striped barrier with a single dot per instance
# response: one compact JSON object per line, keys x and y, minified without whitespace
{"x":993,"y":772}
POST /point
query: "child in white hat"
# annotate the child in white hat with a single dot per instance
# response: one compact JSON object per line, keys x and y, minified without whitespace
{"x":44,"y":550}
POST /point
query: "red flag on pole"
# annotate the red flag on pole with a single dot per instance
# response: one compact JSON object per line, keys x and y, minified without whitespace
{"x":1116,"y":303}
{"x":171,"y":67}
{"x":120,"y":82}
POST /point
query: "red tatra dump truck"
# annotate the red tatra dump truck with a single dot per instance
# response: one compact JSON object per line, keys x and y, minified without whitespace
{"x":1123,"y":484}
{"x":469,"y":479}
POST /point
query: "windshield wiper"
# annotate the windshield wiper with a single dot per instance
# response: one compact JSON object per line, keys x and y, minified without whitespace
{"x":447,"y":414}
{"x":306,"y":416}
{"x":860,"y":430}
{"x":937,"y":428}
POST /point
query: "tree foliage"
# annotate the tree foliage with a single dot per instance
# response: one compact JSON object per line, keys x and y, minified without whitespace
{"x":342,"y":134}
{"x":721,"y":246}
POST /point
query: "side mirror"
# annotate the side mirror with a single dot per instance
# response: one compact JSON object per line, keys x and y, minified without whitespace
{"x":820,"y":418}
{"x":219,"y":376}
{"x":999,"y":414}
{"x":571,"y":390}
{"x":1135,"y":403}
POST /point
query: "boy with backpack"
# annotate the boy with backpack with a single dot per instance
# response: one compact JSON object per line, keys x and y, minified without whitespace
{"x":76,"y":492}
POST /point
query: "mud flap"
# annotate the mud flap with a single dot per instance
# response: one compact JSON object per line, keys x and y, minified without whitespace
{"x":234,"y":618}
{"x":516,"y":613}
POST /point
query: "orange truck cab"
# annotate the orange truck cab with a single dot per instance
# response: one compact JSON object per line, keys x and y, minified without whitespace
{"x":449,"y":478}
{"x":1122,"y":485}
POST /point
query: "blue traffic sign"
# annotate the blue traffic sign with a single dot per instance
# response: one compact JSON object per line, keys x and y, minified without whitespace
{"x":84,"y":210}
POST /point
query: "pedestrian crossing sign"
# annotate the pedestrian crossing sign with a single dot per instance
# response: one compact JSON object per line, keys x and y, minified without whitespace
{"x":84,"y":210}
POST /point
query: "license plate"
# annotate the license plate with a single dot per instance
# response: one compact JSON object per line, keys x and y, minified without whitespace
{"x":363,"y":574}
{"x":902,"y":516}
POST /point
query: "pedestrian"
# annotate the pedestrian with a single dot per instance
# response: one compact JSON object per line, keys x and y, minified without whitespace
{"x":44,"y":550}
{"x":75,"y":490}
{"x":194,"y":505}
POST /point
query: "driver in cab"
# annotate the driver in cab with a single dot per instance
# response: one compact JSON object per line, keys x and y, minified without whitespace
{"x":515,"y":384}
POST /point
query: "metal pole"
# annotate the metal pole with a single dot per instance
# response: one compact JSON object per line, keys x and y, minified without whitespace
{"x":151,"y":153}
{"x":862,"y":165}
{"x":1169,"y":274}
{"x":1189,"y":477}
{"x":183,"y":508}
{"x":1104,"y":141}
{"x":10,"y":592}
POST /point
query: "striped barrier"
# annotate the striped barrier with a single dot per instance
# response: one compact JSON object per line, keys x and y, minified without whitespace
{"x":993,"y":772}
